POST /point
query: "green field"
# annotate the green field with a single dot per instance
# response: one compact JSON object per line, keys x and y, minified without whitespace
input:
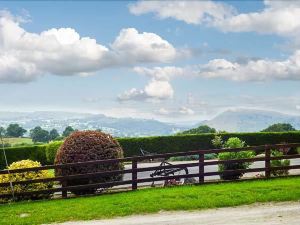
{"x":151,"y":201}
{"x":18,"y":141}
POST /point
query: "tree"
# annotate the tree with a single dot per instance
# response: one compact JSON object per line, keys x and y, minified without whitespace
{"x":15,"y":130}
{"x":2,"y":131}
{"x":200,"y":130}
{"x":39,"y":135}
{"x":53,"y":134}
{"x":69,"y":130}
{"x":279,"y":127}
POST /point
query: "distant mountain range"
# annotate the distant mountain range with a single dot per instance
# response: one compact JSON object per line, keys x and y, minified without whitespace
{"x":242,"y":120}
{"x":83,"y":121}
{"x":245,"y":120}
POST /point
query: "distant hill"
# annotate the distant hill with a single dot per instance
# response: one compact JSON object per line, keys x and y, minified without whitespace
{"x":244,"y":120}
{"x":83,"y":121}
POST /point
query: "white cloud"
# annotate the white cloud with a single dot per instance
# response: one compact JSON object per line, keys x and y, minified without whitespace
{"x":155,"y":90}
{"x":142,"y":47}
{"x":186,"y":110}
{"x":278,"y":17}
{"x":163,"y":111}
{"x":132,"y":94}
{"x":191,"y":12}
{"x":252,"y":70}
{"x":161,"y":73}
{"x":159,"y":89}
{"x":25,"y":56}
{"x":259,"y":70}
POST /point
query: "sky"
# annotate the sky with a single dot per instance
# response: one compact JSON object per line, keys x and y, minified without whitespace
{"x":173,"y":61}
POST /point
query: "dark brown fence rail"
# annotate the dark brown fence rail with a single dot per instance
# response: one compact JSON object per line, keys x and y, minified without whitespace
{"x":135,"y":170}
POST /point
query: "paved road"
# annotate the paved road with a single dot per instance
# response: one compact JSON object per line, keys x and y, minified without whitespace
{"x":212,"y":168}
{"x":286,"y":213}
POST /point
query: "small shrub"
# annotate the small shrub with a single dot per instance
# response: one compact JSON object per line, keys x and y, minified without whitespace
{"x":234,"y":143}
{"x":279,"y":162}
{"x":217,"y":141}
{"x":26,"y":176}
{"x":82,"y":146}
{"x":51,"y":151}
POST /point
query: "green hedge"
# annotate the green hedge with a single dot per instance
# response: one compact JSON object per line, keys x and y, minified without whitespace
{"x":161,"y":144}
{"x":191,"y":142}
{"x":51,"y":150}
{"x":13,"y":154}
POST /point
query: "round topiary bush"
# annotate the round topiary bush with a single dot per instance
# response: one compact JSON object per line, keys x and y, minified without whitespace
{"x":82,"y":146}
{"x":5,"y":178}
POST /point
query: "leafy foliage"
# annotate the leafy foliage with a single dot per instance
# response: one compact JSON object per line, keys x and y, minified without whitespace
{"x":203,"y":129}
{"x":53,"y":135}
{"x":217,"y":141}
{"x":2,"y":131}
{"x":51,"y":151}
{"x":68,"y":131}
{"x":82,"y":146}
{"x":15,"y":130}
{"x":279,"y":127}
{"x":39,"y":135}
{"x":279,"y":162}
{"x":234,"y":142}
{"x":32,"y":175}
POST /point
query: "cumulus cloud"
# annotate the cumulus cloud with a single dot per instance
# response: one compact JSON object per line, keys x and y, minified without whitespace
{"x":278,"y":17}
{"x":258,"y":70}
{"x":158,"y":88}
{"x":161,"y":73}
{"x":163,"y":111}
{"x":186,"y":110}
{"x":252,"y":70}
{"x":142,"y":47}
{"x":24,"y":56}
{"x":191,"y":12}
{"x":155,"y":89}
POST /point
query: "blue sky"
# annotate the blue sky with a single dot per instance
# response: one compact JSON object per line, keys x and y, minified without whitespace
{"x":149,"y":59}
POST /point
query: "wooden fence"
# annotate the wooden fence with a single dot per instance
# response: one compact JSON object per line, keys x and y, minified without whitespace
{"x":134,"y":181}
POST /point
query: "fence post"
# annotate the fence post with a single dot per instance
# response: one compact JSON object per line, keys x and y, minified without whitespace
{"x":64,"y":193}
{"x":134,"y":174}
{"x":201,"y":168}
{"x":267,"y":162}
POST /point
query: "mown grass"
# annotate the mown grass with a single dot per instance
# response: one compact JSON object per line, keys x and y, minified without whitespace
{"x":151,"y":201}
{"x":18,"y":141}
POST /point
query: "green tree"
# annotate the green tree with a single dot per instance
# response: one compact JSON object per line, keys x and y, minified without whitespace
{"x":279,"y":127}
{"x":39,"y":135}
{"x":15,"y":130}
{"x":2,"y":131}
{"x":200,"y":130}
{"x":69,"y":130}
{"x":53,"y":134}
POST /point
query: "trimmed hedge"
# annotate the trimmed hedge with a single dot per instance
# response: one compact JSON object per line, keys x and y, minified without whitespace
{"x":160,"y":144}
{"x":178,"y":143}
{"x":51,"y":150}
{"x":14,"y":154}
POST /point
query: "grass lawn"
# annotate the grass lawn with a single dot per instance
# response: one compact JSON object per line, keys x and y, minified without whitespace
{"x":17,"y":141}
{"x":151,"y":201}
